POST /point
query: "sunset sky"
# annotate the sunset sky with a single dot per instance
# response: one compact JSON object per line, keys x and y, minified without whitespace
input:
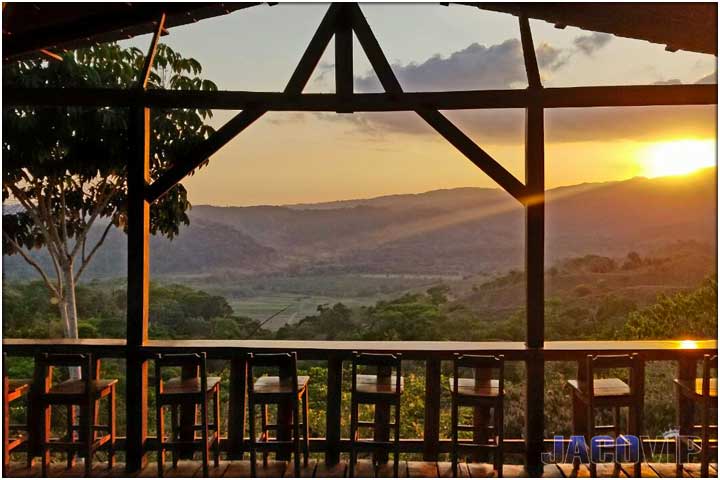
{"x":292,"y":157}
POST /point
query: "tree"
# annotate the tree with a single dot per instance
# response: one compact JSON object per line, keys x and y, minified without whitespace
{"x":66,"y":167}
{"x":685,"y":315}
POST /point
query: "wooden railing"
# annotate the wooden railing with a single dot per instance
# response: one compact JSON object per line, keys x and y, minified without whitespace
{"x":686,"y":353}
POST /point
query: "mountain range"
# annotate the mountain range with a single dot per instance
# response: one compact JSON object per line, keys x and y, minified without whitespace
{"x":454,"y":231}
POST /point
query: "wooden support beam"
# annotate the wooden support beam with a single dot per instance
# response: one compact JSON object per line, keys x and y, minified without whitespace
{"x":561,"y":97}
{"x":247,"y":117}
{"x":531,"y":65}
{"x":138,"y":280}
{"x":344,"y":57}
{"x":203,"y":152}
{"x":372,"y":50}
{"x":333,"y":413}
{"x":152,"y":50}
{"x":237,"y":409}
{"x":474,"y":153}
{"x":314,"y":51}
{"x":535,"y":285}
{"x":433,"y":390}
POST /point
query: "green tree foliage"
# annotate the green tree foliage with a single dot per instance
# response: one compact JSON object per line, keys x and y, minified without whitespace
{"x":683,"y":315}
{"x":66,"y":167}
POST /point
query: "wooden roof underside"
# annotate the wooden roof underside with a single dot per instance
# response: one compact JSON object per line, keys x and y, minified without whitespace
{"x":30,"y":27}
{"x":678,"y":26}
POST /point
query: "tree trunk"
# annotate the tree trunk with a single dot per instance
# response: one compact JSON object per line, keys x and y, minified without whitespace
{"x":68,"y":308}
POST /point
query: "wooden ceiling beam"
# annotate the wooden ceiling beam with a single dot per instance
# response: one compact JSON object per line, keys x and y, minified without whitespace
{"x":560,"y":97}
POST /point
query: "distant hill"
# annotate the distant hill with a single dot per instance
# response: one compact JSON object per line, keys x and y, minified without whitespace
{"x":464,"y":230}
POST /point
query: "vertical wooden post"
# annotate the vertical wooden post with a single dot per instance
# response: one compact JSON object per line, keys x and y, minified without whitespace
{"x":237,"y":408}
{"x":333,"y":414}
{"x":431,"y":444}
{"x":344,"y":55}
{"x":382,"y":420}
{"x":535,"y":294}
{"x":284,"y":421}
{"x":687,"y":371}
{"x":138,"y":218}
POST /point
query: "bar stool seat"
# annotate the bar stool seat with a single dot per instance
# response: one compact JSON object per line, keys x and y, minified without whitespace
{"x":602,"y":387}
{"x":369,"y":384}
{"x":688,"y":389}
{"x":184,"y":386}
{"x":100,"y":388}
{"x":483,"y":388}
{"x":269,"y":385}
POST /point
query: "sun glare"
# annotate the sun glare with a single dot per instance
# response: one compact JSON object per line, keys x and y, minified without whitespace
{"x":677,"y":157}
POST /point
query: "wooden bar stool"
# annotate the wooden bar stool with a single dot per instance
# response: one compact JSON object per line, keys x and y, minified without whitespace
{"x":84,"y":393}
{"x":286,"y":389}
{"x":487,"y":392}
{"x":13,"y":390}
{"x":190,"y":390}
{"x":590,"y":393}
{"x":702,"y":392}
{"x":381,"y":389}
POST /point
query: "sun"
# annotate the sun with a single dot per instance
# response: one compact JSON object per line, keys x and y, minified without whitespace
{"x":677,"y":157}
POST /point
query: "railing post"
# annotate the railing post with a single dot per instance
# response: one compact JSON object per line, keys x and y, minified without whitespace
{"x":138,"y":220}
{"x":333,"y":414}
{"x":237,"y":408}
{"x":687,"y":370}
{"x":431,"y":444}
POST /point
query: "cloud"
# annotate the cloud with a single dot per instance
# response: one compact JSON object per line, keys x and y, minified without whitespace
{"x":474,"y":67}
{"x":501,"y":66}
{"x":589,"y":44}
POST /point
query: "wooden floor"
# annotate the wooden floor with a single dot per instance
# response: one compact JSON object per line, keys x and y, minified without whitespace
{"x":364,"y":469}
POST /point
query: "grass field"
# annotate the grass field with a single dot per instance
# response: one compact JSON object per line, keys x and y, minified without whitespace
{"x":291,"y":307}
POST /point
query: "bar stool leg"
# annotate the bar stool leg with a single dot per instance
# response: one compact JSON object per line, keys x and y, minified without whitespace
{"x":296,"y":435}
{"x":111,"y":419}
{"x":306,"y":427}
{"x":500,"y":432}
{"x":590,"y":432}
{"x":45,"y":432}
{"x":216,"y":401}
{"x":353,"y":437}
{"x":205,"y":440}
{"x":70,"y":435}
{"x":453,"y":425}
{"x":396,"y":455}
{"x":160,"y":429}
{"x":264,"y":432}
{"x":89,"y":437}
{"x":253,"y":453}
{"x":175,"y":431}
{"x":705,"y":443}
